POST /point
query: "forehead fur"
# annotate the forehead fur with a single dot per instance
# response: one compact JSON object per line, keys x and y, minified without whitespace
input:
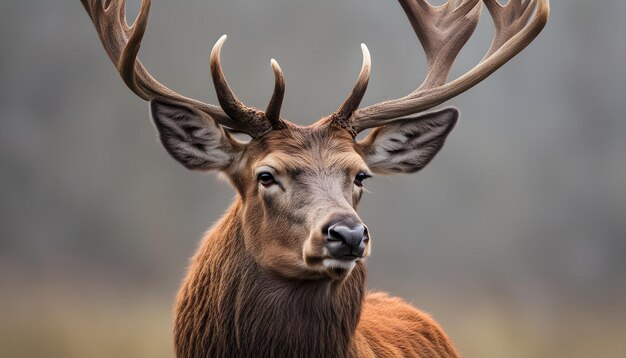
{"x":309,"y":149}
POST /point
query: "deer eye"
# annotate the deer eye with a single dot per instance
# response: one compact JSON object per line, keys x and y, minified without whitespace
{"x":358,"y":180}
{"x":266,"y":179}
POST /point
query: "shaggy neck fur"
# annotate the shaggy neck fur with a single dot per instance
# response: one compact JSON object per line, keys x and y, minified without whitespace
{"x":231,"y":307}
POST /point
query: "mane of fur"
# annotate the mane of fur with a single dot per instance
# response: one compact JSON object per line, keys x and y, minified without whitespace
{"x":229,"y":306}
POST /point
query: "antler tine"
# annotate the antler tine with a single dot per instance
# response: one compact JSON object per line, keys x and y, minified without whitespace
{"x":229,"y":102}
{"x":118,"y":7}
{"x":341,"y":117}
{"x":517,"y":25}
{"x":127,"y":62}
{"x":442,"y":31}
{"x":508,"y":20}
{"x":234,"y":107}
{"x":122,"y":42}
{"x":114,"y":34}
{"x":273,"y":108}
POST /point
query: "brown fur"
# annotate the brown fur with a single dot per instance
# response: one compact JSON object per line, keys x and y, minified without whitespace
{"x":234,"y":303}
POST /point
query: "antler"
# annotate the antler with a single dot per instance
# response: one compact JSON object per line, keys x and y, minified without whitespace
{"x":341,"y":117}
{"x":122,"y":43}
{"x":443,"y":31}
{"x":235,"y":109}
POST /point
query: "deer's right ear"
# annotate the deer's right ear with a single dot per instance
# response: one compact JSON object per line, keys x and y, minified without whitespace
{"x":407,"y":145}
{"x":192,"y":137}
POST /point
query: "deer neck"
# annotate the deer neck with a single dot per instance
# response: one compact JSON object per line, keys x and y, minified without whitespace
{"x":230,"y":306}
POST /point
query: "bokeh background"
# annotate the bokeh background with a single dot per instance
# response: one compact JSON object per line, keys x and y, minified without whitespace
{"x":513,"y":238}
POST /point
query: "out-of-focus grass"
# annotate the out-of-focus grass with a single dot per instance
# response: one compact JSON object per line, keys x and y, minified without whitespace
{"x":495,"y":326}
{"x":77,"y":325}
{"x":503,"y":333}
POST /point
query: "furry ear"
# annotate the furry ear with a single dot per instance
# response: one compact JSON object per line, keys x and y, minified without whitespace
{"x":192,"y":137}
{"x":407,"y":145}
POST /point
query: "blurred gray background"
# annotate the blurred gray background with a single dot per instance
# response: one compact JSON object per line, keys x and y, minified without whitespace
{"x":513,"y":238}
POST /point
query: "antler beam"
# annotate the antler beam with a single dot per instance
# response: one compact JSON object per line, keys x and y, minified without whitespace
{"x":443,"y":31}
{"x":122,"y":43}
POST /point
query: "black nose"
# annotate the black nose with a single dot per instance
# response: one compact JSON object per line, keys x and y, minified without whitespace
{"x":346,"y":241}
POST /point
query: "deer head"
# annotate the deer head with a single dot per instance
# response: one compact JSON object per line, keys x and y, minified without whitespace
{"x":300,"y":186}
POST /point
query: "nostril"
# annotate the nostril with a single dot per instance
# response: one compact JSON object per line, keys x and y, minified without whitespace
{"x":333,"y":234}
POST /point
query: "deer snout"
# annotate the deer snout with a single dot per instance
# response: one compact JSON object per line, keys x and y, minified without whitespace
{"x":346,"y":239}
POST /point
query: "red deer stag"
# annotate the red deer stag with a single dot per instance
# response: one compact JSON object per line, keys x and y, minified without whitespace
{"x":282,"y":274}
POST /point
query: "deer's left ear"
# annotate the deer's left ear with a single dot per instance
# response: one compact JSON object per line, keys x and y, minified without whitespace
{"x":407,"y":145}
